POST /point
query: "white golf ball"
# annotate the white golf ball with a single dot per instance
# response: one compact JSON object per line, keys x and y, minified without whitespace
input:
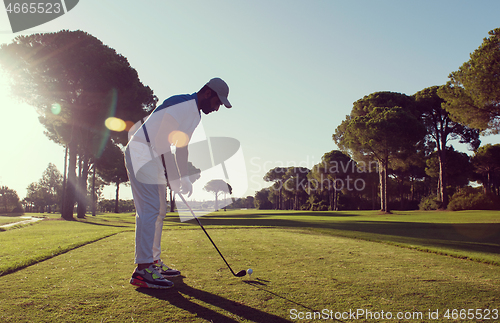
{"x":249,"y":271}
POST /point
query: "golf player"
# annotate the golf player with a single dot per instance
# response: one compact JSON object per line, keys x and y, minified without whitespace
{"x":158,"y":150}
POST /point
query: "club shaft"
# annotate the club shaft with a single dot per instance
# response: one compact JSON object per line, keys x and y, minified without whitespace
{"x":206,"y":233}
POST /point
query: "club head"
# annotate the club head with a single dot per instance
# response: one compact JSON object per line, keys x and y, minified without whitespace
{"x":241,"y":273}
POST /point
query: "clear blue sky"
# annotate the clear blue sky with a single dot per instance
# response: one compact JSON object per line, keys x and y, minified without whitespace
{"x":294,"y":67}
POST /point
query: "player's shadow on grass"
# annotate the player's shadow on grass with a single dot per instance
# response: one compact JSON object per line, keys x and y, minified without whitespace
{"x":181,"y":294}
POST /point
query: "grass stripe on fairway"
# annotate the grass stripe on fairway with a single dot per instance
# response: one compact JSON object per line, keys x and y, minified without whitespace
{"x":293,"y":270}
{"x":30,"y":244}
{"x":472,"y":235}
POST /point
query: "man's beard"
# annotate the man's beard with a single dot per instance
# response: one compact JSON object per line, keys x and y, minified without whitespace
{"x":205,"y":106}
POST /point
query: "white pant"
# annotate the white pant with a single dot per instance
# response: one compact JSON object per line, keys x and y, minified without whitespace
{"x":151,"y":208}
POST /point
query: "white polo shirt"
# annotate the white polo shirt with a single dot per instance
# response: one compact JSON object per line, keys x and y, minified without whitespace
{"x":146,"y":157}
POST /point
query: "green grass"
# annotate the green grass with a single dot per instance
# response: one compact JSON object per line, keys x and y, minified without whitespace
{"x":34,"y":243}
{"x":302,"y":261}
{"x":396,"y":216}
{"x":472,"y":235}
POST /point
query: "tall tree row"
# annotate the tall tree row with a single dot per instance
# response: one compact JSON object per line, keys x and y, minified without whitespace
{"x":472,"y":94}
{"x":75,"y":83}
{"x":383,"y":126}
{"x":440,"y":129}
{"x":486,"y":163}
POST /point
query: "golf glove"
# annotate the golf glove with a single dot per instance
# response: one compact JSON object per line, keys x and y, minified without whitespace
{"x":186,"y":186}
{"x":182,"y":186}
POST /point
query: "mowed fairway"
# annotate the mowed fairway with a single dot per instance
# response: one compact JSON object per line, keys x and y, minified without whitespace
{"x":297,"y":271}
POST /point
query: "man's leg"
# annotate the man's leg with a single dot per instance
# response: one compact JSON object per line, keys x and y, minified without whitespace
{"x":162,"y":193}
{"x":163,"y":269}
{"x":148,"y":201}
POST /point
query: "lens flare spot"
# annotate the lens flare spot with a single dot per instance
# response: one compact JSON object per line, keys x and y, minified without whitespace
{"x":178,"y":138}
{"x":55,"y":108}
{"x":128,"y":125}
{"x":115,"y":124}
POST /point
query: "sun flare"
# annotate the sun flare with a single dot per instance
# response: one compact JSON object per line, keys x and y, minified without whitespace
{"x":178,"y":138}
{"x":115,"y":124}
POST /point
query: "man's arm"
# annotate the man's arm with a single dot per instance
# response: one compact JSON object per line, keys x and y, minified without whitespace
{"x":181,"y":157}
{"x":171,"y":135}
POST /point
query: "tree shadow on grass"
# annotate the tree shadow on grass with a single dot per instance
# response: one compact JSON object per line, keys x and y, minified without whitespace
{"x":111,"y":224}
{"x":181,"y":294}
{"x":220,"y":214}
{"x":477,"y":237}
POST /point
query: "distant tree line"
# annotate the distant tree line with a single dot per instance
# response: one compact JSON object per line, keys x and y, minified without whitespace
{"x":407,"y":138}
{"x":109,"y":206}
{"x":338,"y":182}
{"x":46,"y":195}
{"x":9,"y":201}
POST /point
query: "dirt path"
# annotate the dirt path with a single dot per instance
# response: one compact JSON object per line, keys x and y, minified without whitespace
{"x":30,"y":219}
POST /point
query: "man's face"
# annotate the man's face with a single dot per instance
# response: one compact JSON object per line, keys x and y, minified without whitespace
{"x":210,"y":104}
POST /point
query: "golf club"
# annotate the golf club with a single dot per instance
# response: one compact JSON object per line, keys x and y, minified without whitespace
{"x":240,"y":273}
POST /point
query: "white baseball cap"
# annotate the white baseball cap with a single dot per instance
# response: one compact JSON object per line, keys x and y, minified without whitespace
{"x":220,"y":87}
